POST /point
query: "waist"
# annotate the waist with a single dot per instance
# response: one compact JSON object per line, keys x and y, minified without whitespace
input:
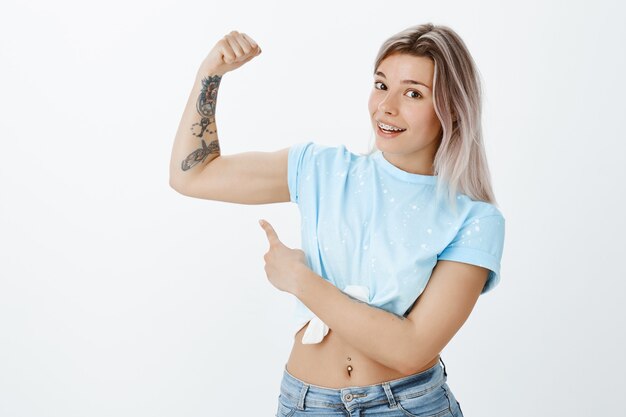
{"x":293,"y":390}
{"x":335,"y":364}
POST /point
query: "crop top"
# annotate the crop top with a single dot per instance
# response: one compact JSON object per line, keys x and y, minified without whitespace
{"x":376,"y":231}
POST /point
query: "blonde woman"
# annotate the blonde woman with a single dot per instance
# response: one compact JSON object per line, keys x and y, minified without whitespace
{"x":397,"y":244}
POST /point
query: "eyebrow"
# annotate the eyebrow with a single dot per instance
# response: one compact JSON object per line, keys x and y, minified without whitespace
{"x":403,"y":81}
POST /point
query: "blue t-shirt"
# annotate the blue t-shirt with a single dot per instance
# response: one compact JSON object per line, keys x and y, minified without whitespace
{"x":368,"y":223}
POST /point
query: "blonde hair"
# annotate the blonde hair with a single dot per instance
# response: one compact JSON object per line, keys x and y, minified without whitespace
{"x":460,"y":162}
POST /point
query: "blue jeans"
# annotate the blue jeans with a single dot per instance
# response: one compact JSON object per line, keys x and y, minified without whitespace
{"x":424,"y":394}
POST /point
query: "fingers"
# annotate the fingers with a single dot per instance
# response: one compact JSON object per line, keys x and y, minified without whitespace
{"x":272,"y":237}
{"x":227,"y":51}
{"x":234,"y":45}
{"x":242,"y":47}
{"x":244,"y":43}
{"x":252,"y":43}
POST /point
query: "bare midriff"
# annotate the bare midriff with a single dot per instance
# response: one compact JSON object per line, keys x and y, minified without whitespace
{"x":333,"y":363}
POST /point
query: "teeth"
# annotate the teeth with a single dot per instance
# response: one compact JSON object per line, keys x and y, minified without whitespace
{"x":388,"y":127}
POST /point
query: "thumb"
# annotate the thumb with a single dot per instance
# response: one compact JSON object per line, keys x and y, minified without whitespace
{"x":272,"y":237}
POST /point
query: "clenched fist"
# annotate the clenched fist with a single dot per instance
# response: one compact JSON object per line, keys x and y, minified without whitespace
{"x":229,"y":53}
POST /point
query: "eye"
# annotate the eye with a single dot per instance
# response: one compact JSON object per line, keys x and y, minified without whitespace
{"x":376,"y":85}
{"x":413,"y":91}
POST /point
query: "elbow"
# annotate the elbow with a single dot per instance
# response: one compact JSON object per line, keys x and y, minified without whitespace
{"x":414,"y":358}
{"x":413,"y":365}
{"x":176,"y":185}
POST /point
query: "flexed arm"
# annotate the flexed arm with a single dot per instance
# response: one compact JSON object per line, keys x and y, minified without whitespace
{"x":197,"y":166}
{"x":196,"y":141}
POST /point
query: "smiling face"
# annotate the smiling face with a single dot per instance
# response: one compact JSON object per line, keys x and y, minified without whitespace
{"x":397,"y":101}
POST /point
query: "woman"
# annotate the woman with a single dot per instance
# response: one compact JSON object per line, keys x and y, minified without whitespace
{"x":398,"y":244}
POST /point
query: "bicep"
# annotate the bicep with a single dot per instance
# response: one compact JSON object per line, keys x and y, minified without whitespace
{"x":444,"y":305}
{"x":244,"y":178}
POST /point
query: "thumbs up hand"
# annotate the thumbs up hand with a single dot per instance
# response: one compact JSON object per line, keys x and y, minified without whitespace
{"x":283,"y":265}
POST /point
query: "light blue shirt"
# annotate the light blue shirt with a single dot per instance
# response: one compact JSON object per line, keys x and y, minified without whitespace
{"x":369,"y":226}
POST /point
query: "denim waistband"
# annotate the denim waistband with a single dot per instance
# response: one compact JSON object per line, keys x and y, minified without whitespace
{"x":301,"y":394}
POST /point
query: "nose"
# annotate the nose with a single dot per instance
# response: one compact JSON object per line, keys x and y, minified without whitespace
{"x":387,"y":105}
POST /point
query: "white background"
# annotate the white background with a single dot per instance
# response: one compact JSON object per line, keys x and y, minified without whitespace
{"x":121,"y":297}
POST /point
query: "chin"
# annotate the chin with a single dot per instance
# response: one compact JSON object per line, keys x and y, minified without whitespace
{"x":389,"y":145}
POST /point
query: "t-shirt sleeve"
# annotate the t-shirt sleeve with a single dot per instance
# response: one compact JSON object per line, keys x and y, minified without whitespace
{"x":479,"y":242}
{"x":298,"y":166}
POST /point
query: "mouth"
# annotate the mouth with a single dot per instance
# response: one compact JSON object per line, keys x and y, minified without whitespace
{"x":387,"y":130}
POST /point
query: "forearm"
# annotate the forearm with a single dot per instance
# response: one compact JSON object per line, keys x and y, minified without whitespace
{"x":196,"y":143}
{"x":381,"y":335}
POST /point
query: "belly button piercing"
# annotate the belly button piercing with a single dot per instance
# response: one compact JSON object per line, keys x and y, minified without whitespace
{"x":349,"y":369}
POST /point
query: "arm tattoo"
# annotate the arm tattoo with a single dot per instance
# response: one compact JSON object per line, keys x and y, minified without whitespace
{"x":208,"y":95}
{"x":199,"y":155}
{"x":206,"y":108}
{"x":363,"y":302}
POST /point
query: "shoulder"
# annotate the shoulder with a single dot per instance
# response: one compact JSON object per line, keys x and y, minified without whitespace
{"x":476,"y":223}
{"x":312,"y":165}
{"x":477,"y":238}
{"x":474,"y":209}
{"x":315,"y":148}
{"x":304,"y":153}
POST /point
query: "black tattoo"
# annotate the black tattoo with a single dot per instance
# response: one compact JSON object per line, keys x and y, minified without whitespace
{"x":206,"y":108}
{"x":206,"y":103}
{"x":204,"y":124}
{"x":208,"y":96}
{"x":199,"y":155}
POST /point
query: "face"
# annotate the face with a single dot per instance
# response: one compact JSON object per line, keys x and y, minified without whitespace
{"x":401,"y":104}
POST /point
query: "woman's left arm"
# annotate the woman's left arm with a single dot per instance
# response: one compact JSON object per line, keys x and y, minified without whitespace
{"x":404,"y":344}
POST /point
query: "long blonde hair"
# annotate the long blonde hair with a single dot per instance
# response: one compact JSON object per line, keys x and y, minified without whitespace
{"x":460,"y":162}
